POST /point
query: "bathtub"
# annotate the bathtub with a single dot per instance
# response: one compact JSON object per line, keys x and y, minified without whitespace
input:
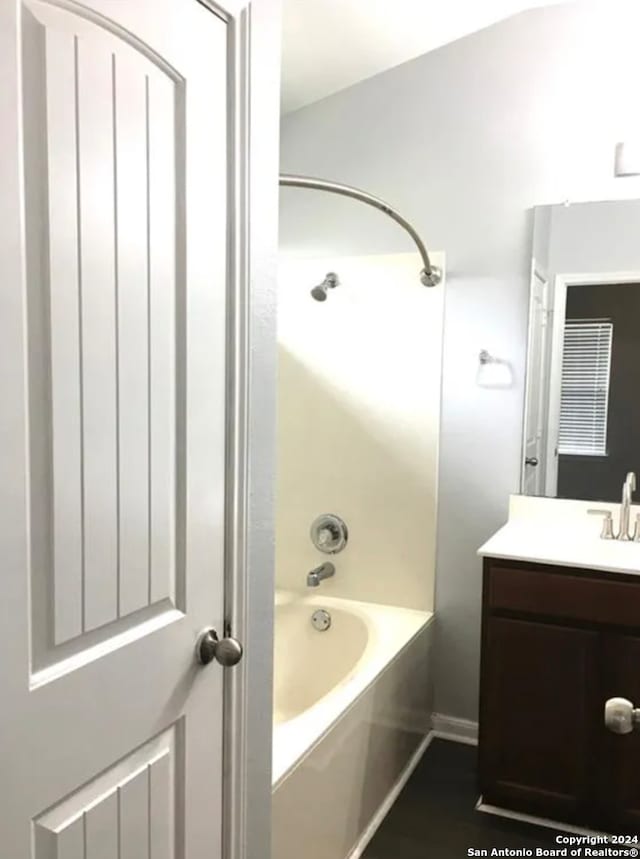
{"x":352,"y":710}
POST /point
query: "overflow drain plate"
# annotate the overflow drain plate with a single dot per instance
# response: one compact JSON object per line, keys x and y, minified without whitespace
{"x":321,"y":620}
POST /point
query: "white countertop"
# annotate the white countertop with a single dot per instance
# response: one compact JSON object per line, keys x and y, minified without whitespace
{"x":557,"y":531}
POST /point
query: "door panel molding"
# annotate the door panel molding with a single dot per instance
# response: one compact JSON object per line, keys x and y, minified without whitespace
{"x":133,"y":802}
{"x":79,"y":17}
{"x":106,"y":330}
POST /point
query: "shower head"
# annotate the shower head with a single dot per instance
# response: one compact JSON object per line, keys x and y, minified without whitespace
{"x":330,"y":281}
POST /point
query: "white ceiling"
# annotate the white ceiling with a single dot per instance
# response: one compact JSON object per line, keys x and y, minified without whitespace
{"x":331,"y":44}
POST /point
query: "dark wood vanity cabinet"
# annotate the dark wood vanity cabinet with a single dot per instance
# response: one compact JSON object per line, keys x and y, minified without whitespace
{"x":619,"y":794}
{"x":556,"y":643}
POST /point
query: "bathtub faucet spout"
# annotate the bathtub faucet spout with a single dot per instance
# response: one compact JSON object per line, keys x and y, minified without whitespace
{"x":324,"y":571}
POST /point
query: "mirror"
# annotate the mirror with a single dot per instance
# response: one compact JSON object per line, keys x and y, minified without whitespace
{"x":582,"y":401}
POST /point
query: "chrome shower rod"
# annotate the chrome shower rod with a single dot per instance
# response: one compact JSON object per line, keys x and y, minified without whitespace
{"x":430,"y":274}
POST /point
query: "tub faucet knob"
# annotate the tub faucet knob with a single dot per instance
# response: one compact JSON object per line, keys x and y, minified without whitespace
{"x":329,"y":533}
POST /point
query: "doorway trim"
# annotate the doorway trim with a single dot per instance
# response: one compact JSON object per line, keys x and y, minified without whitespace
{"x":561,"y":283}
{"x":253,"y":65}
{"x":537,"y":273}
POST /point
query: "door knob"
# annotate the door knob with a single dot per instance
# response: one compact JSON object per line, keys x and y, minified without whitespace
{"x":531,"y":460}
{"x":226,"y":651}
{"x":620,"y":716}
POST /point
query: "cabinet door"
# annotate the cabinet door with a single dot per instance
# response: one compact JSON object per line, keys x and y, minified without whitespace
{"x":618,"y":776}
{"x":538,"y":717}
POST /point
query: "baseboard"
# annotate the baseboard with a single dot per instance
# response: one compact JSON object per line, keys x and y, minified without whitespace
{"x":390,"y":798}
{"x":537,"y":821}
{"x":457,"y":730}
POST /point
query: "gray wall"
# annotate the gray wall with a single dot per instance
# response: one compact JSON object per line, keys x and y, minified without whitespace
{"x":593,"y":237}
{"x":465,"y":140}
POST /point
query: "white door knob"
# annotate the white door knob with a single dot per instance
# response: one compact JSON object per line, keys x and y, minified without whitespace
{"x":620,"y":717}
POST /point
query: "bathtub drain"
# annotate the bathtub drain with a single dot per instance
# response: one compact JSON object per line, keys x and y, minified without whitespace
{"x":321,"y":620}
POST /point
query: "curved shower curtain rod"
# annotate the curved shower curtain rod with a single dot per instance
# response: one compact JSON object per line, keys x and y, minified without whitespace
{"x":430,"y":274}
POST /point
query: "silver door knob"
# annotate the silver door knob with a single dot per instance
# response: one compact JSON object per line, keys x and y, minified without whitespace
{"x":226,"y":651}
{"x":531,"y":460}
{"x":620,"y":716}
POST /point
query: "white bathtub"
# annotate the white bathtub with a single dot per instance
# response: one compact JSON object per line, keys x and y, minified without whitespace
{"x":352,"y":705}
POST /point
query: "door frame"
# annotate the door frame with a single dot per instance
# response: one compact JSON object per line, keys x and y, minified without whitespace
{"x":537,"y":271}
{"x":254,"y":72}
{"x":559,"y":309}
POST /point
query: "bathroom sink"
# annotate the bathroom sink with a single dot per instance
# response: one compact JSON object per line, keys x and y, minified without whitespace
{"x":559,"y":531}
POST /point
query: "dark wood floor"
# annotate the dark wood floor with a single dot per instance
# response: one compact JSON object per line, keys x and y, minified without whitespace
{"x":435,"y":815}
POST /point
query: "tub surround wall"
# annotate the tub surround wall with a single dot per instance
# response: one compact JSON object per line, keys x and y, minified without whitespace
{"x":337,"y":794}
{"x":465,"y":140}
{"x":359,"y":415}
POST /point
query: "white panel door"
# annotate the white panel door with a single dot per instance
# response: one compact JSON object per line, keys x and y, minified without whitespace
{"x":533,"y":466}
{"x":112,"y":324}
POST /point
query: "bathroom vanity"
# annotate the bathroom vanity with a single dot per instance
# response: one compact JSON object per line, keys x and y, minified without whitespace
{"x":559,"y":638}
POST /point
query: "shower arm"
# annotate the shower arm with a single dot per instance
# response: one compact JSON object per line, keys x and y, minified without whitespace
{"x":430,"y":274}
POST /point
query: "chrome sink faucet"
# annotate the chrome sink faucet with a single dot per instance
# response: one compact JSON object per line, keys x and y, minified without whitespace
{"x":624,"y":532}
{"x":625,"y":508}
{"x":319,"y":574}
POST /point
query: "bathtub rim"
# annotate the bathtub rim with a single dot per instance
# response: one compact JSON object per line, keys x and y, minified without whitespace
{"x":279,"y":774}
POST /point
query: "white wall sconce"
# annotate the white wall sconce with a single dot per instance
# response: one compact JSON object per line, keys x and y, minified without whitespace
{"x":628,"y":159}
{"x":493,"y":372}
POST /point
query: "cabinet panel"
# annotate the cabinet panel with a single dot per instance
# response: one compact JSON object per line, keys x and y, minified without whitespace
{"x":539,"y":705}
{"x":617,"y":775}
{"x":595,"y":598}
